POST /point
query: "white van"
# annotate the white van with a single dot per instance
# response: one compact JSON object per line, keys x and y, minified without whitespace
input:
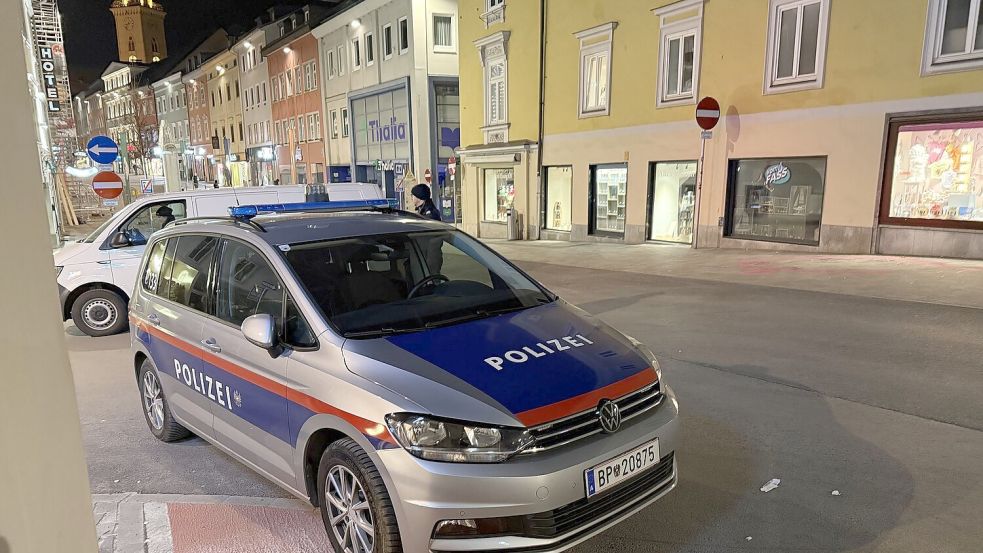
{"x":96,"y":274}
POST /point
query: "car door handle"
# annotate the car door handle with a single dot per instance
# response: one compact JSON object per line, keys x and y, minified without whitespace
{"x":104,"y":262}
{"x":211,"y":345}
{"x":153,"y":319}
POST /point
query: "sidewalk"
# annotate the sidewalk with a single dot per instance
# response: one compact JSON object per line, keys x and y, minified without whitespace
{"x":954,"y":282}
{"x":134,"y":523}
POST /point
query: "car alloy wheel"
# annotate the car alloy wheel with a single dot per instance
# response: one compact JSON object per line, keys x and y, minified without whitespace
{"x":153,"y":400}
{"x":99,"y":314}
{"x":349,"y":511}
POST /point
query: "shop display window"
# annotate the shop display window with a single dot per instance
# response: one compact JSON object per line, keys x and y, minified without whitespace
{"x":673,"y":201}
{"x":559,"y":194}
{"x":609,"y":184}
{"x":499,"y":193}
{"x":938,"y":173}
{"x":778,"y":200}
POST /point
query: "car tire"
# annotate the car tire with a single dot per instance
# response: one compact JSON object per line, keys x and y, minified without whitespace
{"x":155,"y":408}
{"x":346,"y":458}
{"x":100,"y":312}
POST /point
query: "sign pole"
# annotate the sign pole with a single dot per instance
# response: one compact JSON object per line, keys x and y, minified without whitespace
{"x":699,"y":192}
{"x":707,"y":115}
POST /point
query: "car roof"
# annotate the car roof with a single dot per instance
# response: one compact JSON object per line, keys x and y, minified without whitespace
{"x":300,"y":227}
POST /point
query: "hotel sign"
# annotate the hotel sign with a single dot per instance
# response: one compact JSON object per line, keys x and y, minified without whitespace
{"x":48,"y":81}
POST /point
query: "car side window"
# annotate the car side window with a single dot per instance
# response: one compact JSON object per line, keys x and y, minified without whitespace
{"x":246,"y":285}
{"x":152,"y":218}
{"x":188,"y":280}
{"x":296,"y":331}
{"x":151,"y":274}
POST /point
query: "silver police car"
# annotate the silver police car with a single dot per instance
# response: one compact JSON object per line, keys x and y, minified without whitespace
{"x":421,"y":390}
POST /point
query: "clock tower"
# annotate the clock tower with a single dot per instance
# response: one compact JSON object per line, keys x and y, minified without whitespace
{"x":140,"y":30}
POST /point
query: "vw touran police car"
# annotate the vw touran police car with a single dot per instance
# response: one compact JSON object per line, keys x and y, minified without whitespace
{"x":421,"y":390}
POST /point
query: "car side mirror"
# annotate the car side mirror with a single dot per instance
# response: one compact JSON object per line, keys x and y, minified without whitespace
{"x":120,"y":240}
{"x":260,"y":330}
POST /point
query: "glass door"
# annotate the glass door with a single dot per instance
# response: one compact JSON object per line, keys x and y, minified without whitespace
{"x":672,"y":201}
{"x":609,"y":190}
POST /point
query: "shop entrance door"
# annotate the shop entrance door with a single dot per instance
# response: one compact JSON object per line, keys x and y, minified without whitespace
{"x":672,"y":199}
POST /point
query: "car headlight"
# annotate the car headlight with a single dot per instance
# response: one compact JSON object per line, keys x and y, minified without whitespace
{"x":456,"y":442}
{"x":58,"y":270}
{"x":649,"y":356}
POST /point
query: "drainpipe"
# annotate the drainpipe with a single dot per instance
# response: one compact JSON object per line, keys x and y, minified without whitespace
{"x":542,"y":114}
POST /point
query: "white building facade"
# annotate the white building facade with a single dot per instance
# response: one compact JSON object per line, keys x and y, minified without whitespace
{"x":174,"y":136}
{"x":390,"y":92}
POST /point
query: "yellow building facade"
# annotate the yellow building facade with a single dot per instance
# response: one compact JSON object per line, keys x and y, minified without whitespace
{"x":228,"y":159}
{"x":845,"y":126}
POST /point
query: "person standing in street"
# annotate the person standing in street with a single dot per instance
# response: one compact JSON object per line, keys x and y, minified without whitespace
{"x":424,"y":203}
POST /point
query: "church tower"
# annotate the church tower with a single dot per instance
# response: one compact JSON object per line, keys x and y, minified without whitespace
{"x":140,"y":30}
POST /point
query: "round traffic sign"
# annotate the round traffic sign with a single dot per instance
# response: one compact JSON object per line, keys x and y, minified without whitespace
{"x":107,"y":184}
{"x":707,"y":113}
{"x":102,"y":149}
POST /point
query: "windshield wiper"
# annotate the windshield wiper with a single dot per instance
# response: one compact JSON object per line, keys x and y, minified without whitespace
{"x":382,"y":332}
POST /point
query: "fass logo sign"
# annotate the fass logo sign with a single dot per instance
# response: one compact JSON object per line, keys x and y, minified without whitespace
{"x":540,"y":349}
{"x":777,"y":174}
{"x":207,"y":386}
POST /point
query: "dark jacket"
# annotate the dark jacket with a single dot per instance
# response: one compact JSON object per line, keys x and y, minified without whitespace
{"x":429,"y":210}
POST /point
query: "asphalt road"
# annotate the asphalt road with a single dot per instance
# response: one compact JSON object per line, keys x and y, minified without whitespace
{"x":875,"y":400}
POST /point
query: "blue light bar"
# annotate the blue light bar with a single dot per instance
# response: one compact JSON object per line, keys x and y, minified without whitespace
{"x":250,"y":211}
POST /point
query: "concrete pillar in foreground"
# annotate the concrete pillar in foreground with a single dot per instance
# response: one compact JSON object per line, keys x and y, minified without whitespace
{"x":45,"y":506}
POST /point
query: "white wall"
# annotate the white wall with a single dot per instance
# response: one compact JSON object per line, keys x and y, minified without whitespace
{"x":260,"y":112}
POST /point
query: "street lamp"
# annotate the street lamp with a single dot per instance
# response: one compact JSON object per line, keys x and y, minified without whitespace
{"x":356,"y":23}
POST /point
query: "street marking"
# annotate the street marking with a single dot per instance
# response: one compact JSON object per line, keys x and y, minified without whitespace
{"x":158,"y":528}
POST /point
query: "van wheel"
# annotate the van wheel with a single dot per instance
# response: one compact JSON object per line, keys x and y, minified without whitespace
{"x":99,"y":313}
{"x":355,"y":506}
{"x":155,"y":410}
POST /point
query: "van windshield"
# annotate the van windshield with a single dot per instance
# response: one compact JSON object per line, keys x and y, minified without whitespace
{"x":95,"y":234}
{"x":377,"y":285}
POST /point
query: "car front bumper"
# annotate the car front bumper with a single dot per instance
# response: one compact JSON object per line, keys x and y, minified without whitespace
{"x":546,"y":488}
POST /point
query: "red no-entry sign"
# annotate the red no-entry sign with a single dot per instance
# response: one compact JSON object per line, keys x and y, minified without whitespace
{"x":107,"y":184}
{"x":707,"y":113}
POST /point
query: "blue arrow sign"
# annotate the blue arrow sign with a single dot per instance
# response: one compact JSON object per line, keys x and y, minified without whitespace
{"x":102,"y":149}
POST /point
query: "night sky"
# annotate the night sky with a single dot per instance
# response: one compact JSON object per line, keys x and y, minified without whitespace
{"x":90,"y":35}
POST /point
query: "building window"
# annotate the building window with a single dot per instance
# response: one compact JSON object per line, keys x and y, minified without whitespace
{"x":237,"y":88}
{"x":342,"y":60}
{"x":777,"y":200}
{"x":493,"y":51}
{"x":278,"y":132}
{"x":356,"y":54}
{"x":796,"y":45}
{"x":680,"y":27}
{"x":953,"y":37}
{"x":595,"y":69}
{"x":299,"y":79}
{"x":609,"y":190}
{"x":559,"y":197}
{"x":310,"y":80}
{"x":499,"y":193}
{"x":264,"y":92}
{"x":331,"y":63}
{"x":344,"y":122}
{"x":153,"y":46}
{"x":443,"y":33}
{"x":131,"y":45}
{"x":387,"y":42}
{"x":494,"y":12}
{"x":369,"y":49}
{"x":334,"y":123}
{"x":301,"y":129}
{"x":288,"y":77}
{"x":314,"y":126}
{"x":935,"y":173}
{"x":404,"y":35}
{"x":672,"y":198}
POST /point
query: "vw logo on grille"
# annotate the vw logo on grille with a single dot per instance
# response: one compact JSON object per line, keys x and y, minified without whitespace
{"x":609,"y":415}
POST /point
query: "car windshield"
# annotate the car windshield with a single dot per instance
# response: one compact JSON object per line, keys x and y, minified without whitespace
{"x":371,"y":286}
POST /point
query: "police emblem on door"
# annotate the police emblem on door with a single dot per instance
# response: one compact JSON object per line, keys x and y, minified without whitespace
{"x":609,"y":415}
